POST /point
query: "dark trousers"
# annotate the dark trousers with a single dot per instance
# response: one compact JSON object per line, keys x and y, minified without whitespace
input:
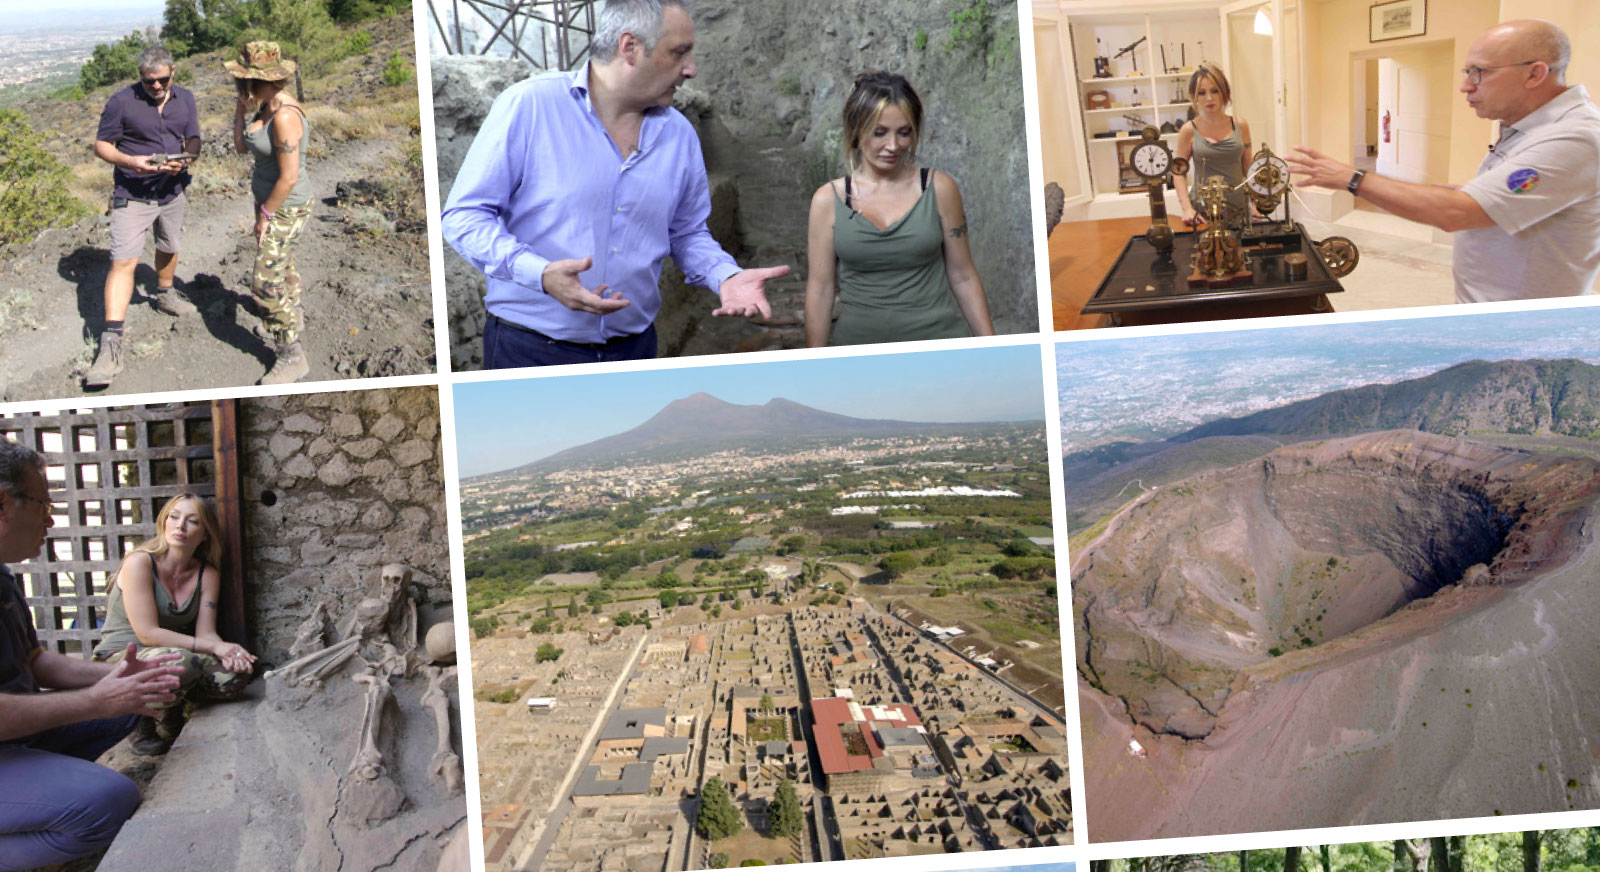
{"x":56,"y":803}
{"x":507,"y":345}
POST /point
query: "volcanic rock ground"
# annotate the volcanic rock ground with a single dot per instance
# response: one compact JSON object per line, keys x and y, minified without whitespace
{"x":1441,"y":665}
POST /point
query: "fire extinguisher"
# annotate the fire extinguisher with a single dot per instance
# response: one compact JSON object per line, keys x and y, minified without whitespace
{"x":1386,"y":125}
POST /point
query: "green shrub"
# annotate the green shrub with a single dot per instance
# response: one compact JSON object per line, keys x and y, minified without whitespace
{"x":113,"y":62}
{"x":920,"y":42}
{"x":33,"y":184}
{"x":397,"y":71}
{"x":970,"y":26}
{"x":347,"y":11}
{"x":357,"y":43}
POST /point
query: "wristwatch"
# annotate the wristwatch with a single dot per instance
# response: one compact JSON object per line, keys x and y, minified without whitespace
{"x":1355,"y":181}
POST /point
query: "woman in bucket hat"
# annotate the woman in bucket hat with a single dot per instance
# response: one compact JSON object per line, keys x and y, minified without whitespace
{"x":277,"y":135}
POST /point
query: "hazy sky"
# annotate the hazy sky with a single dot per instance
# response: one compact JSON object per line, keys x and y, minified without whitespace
{"x":504,"y":424}
{"x":67,"y":14}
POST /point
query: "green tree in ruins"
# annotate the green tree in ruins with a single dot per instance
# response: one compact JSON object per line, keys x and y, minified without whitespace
{"x":572,"y":606}
{"x":785,"y":813}
{"x":897,"y":564}
{"x":718,"y":819}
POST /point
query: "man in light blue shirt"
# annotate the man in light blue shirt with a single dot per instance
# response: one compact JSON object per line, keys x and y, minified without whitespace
{"x":578,"y":185}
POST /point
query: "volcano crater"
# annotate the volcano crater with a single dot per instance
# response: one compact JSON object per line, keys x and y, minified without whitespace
{"x":1199,"y":582}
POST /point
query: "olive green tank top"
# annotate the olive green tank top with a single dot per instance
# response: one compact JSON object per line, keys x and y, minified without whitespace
{"x":265,"y":175}
{"x":117,"y":632}
{"x":1225,"y":158}
{"x":892,"y":283}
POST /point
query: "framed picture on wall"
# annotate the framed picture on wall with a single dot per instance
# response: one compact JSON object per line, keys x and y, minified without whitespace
{"x":1399,"y":19}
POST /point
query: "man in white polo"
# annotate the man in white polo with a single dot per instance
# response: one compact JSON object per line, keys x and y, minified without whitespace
{"x":1528,"y":225}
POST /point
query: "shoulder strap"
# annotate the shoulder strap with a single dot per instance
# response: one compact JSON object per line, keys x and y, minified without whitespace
{"x":153,"y":574}
{"x":1233,"y":121}
{"x":925,"y":172}
{"x":847,"y":193}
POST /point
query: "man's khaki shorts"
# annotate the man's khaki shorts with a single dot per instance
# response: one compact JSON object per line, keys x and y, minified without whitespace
{"x":130,"y":222}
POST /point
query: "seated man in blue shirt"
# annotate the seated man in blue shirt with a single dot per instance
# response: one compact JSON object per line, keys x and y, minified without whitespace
{"x":153,"y":116}
{"x":593,"y":173}
{"x":58,"y":804}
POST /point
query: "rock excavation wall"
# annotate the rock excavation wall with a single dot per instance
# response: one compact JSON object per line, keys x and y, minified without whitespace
{"x":464,"y":87}
{"x":336,"y":485}
{"x":783,"y":70}
{"x":767,"y":101}
{"x":1231,"y":569}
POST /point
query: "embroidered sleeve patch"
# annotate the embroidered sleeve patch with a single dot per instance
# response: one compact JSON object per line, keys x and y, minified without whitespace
{"x":1522,"y":181}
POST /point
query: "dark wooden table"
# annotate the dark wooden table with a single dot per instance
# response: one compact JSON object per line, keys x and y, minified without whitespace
{"x":1082,"y":252}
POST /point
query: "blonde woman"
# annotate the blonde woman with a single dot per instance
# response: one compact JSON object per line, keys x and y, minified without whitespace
{"x":164,"y":600}
{"x":889,"y":239}
{"x":277,"y":136}
{"x":1214,"y":142}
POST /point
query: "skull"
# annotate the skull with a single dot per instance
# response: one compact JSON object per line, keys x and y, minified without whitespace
{"x":392,"y":580}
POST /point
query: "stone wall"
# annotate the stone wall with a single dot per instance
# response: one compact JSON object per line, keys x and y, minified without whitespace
{"x":336,"y":485}
{"x":464,"y":87}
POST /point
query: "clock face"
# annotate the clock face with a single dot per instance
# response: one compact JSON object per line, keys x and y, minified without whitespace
{"x":1151,"y":160}
{"x":1268,"y":176}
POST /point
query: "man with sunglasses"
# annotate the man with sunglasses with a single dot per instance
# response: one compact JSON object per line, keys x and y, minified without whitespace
{"x":1528,"y":225}
{"x":57,"y":803}
{"x":153,"y":116}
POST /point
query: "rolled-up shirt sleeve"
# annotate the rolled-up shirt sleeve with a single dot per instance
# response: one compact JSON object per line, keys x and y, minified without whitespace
{"x":694,"y":249}
{"x":1537,"y":182}
{"x":474,"y":218}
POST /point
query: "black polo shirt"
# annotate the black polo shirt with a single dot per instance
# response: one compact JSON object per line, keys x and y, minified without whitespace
{"x":17,"y":638}
{"x":137,"y":125}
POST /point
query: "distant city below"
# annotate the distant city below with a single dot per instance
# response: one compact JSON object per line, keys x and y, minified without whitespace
{"x":54,"y":45}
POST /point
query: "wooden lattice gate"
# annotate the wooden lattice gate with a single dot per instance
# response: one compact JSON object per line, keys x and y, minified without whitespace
{"x":109,"y":472}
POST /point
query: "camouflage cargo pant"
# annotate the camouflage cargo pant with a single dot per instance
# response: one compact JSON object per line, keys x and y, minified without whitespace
{"x":202,"y":677}
{"x":274,"y":281}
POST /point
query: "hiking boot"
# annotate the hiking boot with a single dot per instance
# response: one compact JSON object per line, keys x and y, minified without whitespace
{"x":146,"y":740}
{"x":290,"y":367}
{"x":168,"y":301}
{"x":107,"y":362}
{"x":171,"y":722}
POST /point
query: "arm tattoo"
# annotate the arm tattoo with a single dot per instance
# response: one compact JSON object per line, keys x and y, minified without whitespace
{"x":958,"y":232}
{"x":286,"y":147}
{"x":210,"y":605}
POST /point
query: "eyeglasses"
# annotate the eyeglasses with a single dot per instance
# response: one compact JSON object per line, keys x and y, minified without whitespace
{"x":1475,"y":74}
{"x":162,"y":81}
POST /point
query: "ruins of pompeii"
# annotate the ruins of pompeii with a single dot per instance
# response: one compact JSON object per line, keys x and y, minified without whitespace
{"x":842,"y":643}
{"x":1374,"y":605}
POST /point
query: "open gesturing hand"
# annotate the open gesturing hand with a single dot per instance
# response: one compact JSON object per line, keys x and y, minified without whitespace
{"x":1310,"y":167}
{"x":561,"y":281}
{"x":745,"y":293}
{"x":133,"y":685}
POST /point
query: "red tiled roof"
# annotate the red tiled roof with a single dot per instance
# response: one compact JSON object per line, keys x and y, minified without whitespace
{"x":832,"y":717}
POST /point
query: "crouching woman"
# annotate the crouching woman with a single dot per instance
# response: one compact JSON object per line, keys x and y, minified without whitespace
{"x":164,"y":599}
